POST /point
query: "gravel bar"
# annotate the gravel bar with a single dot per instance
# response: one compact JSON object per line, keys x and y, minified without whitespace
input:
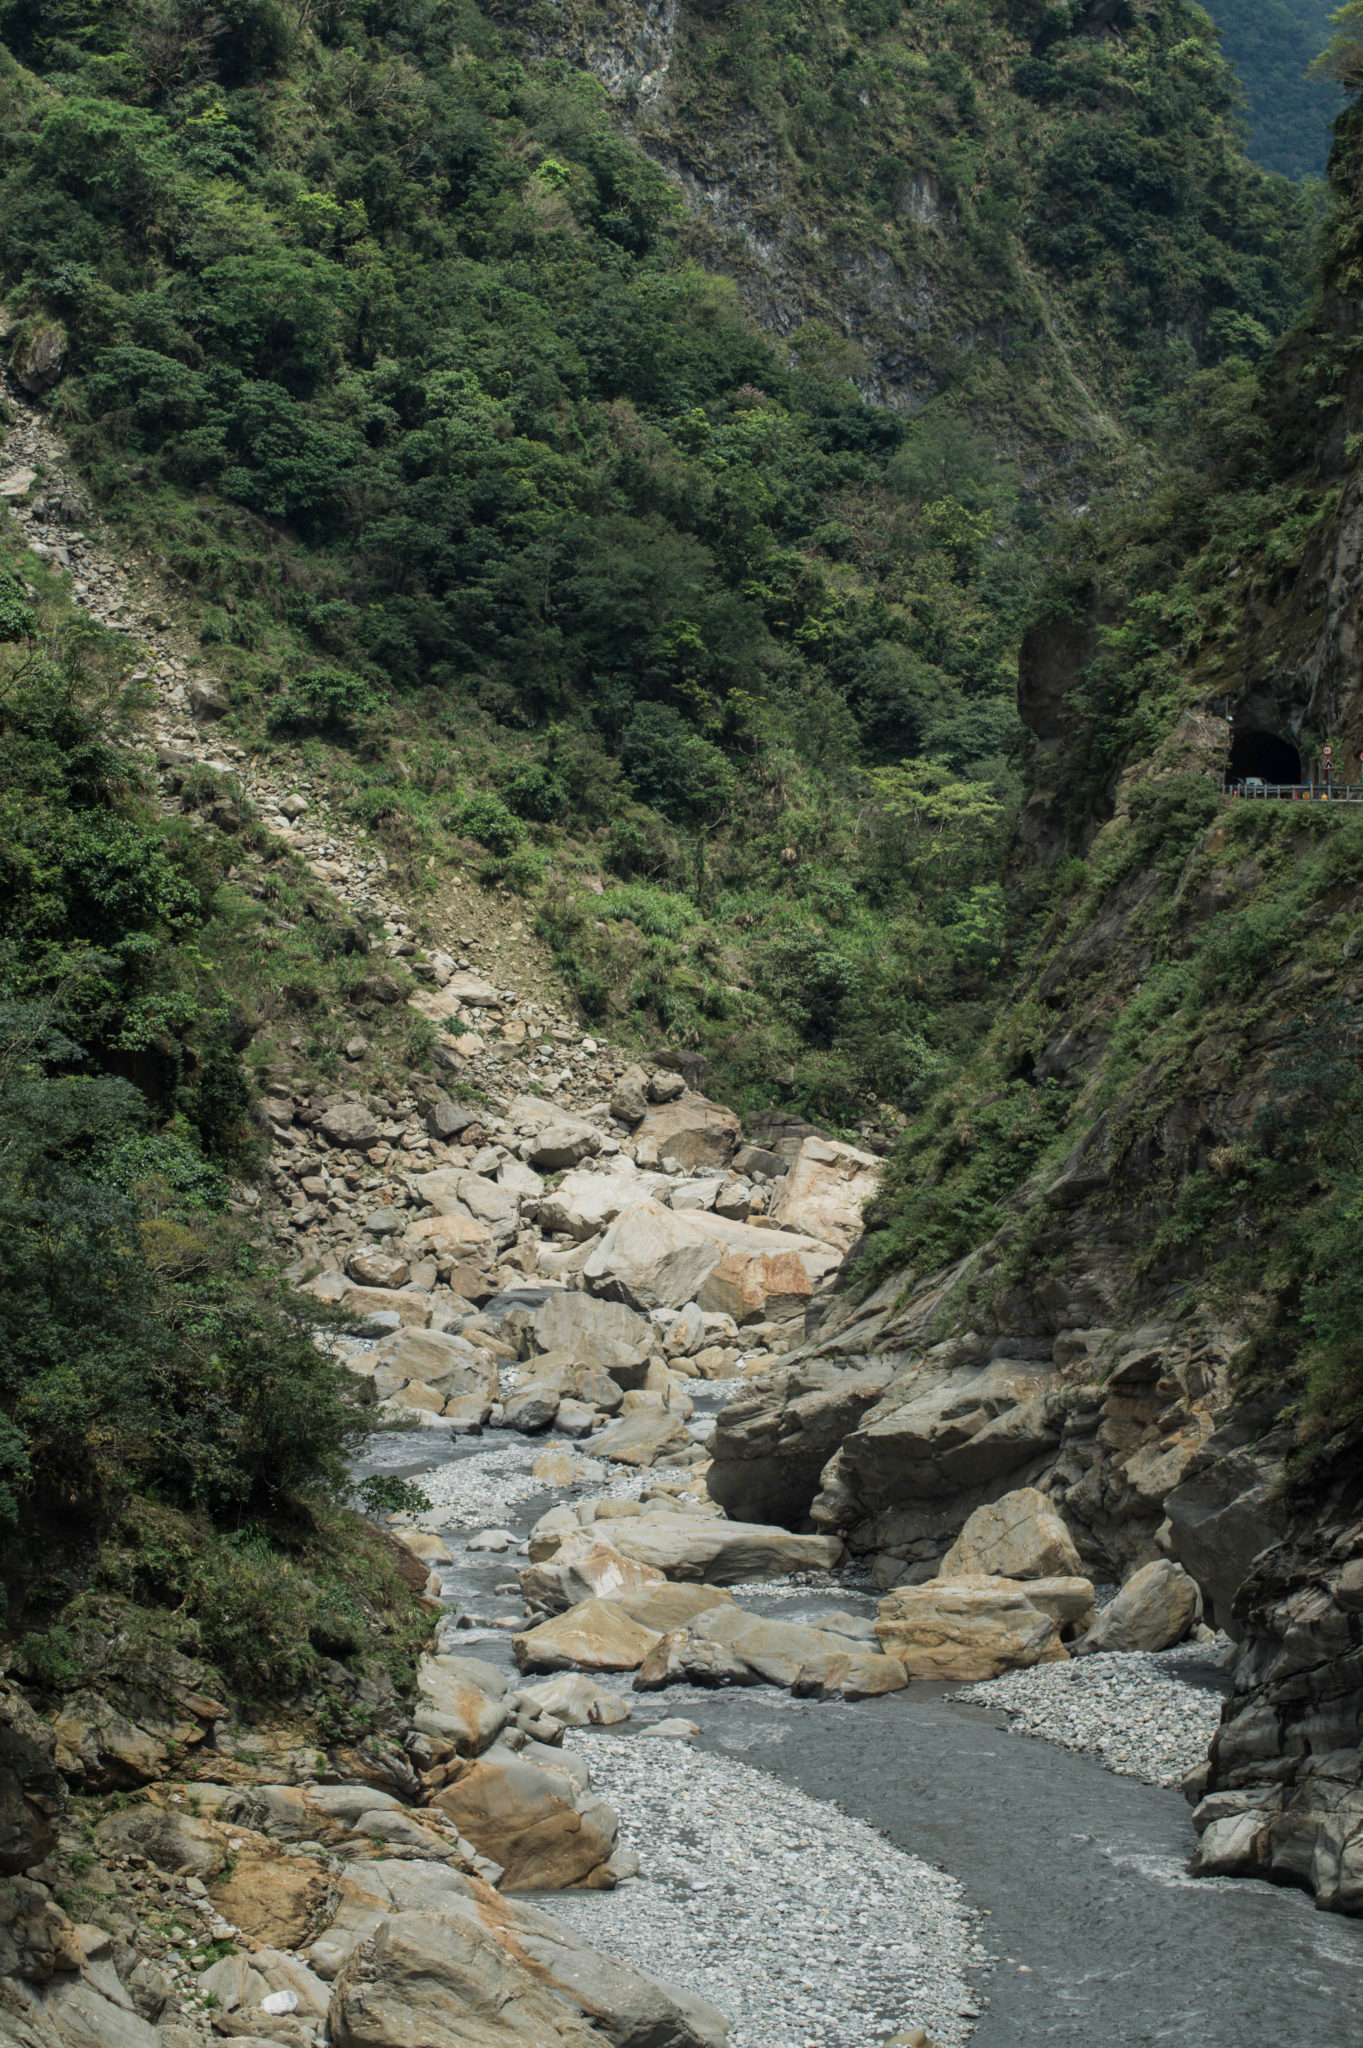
{"x":1130,"y":1710}
{"x":807,"y":1928}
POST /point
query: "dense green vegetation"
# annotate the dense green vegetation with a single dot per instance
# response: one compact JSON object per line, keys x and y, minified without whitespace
{"x":1042,"y":207}
{"x":1225,"y":927}
{"x":477,"y":486}
{"x":1273,"y":44}
{"x":169,"y":1431}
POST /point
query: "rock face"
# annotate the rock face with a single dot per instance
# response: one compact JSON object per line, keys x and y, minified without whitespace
{"x":771,"y":1442}
{"x":1018,"y":1537}
{"x":967,"y":1629}
{"x":1154,"y":1610}
{"x":1284,"y":1795}
{"x":533,"y":1820}
{"x":32,"y":1791}
{"x":826,"y":1190}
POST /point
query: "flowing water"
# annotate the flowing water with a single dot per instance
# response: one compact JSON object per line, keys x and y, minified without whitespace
{"x":1096,"y":1934}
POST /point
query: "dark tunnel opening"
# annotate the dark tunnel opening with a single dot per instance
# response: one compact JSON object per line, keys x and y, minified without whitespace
{"x":1265,"y":755}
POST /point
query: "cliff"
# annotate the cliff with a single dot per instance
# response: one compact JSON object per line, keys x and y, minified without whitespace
{"x":1120,"y":1254}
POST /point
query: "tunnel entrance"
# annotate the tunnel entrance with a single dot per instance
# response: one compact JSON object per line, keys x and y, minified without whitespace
{"x":1264,"y":755}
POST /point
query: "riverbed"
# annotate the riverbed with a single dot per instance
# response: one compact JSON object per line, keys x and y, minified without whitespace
{"x":1072,"y":1918}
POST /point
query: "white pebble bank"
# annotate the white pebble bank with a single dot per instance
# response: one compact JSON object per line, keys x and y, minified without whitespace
{"x":807,"y":1928}
{"x":1129,"y":1710}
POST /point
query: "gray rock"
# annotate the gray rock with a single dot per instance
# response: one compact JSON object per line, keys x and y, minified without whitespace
{"x":349,"y":1124}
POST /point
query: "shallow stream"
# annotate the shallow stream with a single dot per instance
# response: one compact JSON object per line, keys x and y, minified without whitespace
{"x":1094,"y":1932}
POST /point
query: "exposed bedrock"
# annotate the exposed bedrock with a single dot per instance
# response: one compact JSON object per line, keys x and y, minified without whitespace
{"x":1131,"y":1435}
{"x":1284,"y":1785}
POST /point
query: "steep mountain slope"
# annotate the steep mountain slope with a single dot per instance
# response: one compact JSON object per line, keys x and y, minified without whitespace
{"x":1122,"y":1252}
{"x":1273,"y":45}
{"x":392,"y":347}
{"x":1040,"y":208}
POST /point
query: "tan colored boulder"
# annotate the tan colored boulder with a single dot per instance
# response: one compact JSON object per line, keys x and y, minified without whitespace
{"x":763,"y":1274}
{"x":596,"y":1635}
{"x":652,"y":1258}
{"x":585,"y":1567}
{"x":724,"y":1644}
{"x":560,"y":1467}
{"x":431,"y":1549}
{"x":719,"y":1552}
{"x":374,"y":1268}
{"x":414,"y":1310}
{"x":642,"y":1438}
{"x":577,"y":1701}
{"x":528,"y":1820}
{"x":457,"y":1192}
{"x":446,"y":1983}
{"x":1155,"y":1609}
{"x":826,"y":1190}
{"x":419,"y":1396}
{"x":692,"y":1130}
{"x":460,"y":1236}
{"x":666,"y":1607}
{"x":606,"y":1333}
{"x":440,"y":1359}
{"x":585,"y":1203}
{"x":1017,"y":1537}
{"x":575,"y":1378}
{"x":502,"y":2006}
{"x":455,"y":1709}
{"x":966,"y":1630}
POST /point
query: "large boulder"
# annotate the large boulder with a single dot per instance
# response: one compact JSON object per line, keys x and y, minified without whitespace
{"x":724,"y":1645}
{"x":1155,"y":1609}
{"x":512,"y":1976}
{"x":772,"y":1441}
{"x":585,"y":1203}
{"x":692,"y":1130}
{"x":967,"y":1629}
{"x":642,"y":1438}
{"x":718,"y":1552}
{"x":575,"y":1379}
{"x":596,"y":1635}
{"x":450,"y":1364}
{"x":585,"y":1567}
{"x":446,"y":1983}
{"x":652,"y":1258}
{"x":826,"y":1190}
{"x":350,"y":1125}
{"x":762,"y":1273}
{"x":576,"y":1700}
{"x":459,"y":1706}
{"x":455,"y":1191}
{"x":536,"y":1822}
{"x":607,"y":1333}
{"x":1019,"y":1536}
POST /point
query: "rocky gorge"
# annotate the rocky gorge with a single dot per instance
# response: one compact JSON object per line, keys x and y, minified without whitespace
{"x":759,"y":1485}
{"x":784,"y":1622}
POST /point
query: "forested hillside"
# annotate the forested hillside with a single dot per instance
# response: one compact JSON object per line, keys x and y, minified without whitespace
{"x":1273,"y":44}
{"x":390,"y":343}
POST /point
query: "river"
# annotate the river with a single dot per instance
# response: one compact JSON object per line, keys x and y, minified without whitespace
{"x":1095,"y":1933}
